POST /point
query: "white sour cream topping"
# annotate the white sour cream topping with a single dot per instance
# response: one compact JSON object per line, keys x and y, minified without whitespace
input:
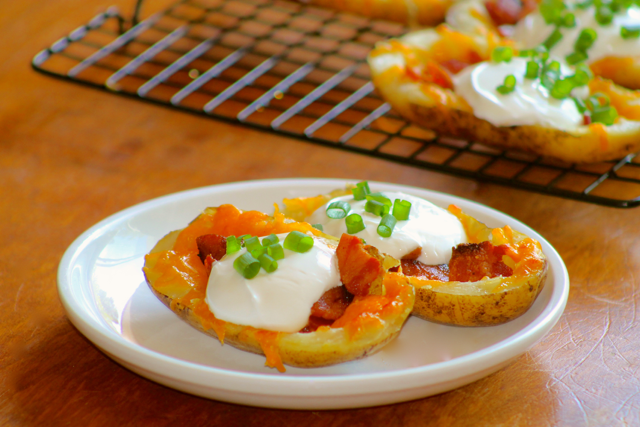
{"x":529,"y":104}
{"x":430,"y":227}
{"x":279,"y":301}
{"x":533,"y":30}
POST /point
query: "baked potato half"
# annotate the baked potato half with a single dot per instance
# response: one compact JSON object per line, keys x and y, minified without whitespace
{"x":491,"y":277}
{"x":489,"y":301}
{"x":415,"y":74}
{"x":178,"y":277}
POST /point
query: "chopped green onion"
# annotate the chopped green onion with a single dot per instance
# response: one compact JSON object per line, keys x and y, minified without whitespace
{"x":550,"y":74}
{"x":270,"y":240}
{"x":361,"y":190}
{"x":582,"y":76}
{"x":247,"y":266}
{"x":318,"y":227}
{"x":551,"y":10}
{"x":533,"y":69}
{"x":233,"y":245}
{"x":258,"y":251}
{"x":508,"y":86}
{"x":401,"y":209}
{"x":568,"y":20}
{"x":385,"y":228}
{"x":242,"y":238}
{"x":275,"y":251}
{"x":502,"y":54}
{"x":355,"y":224}
{"x":537,"y":52}
{"x":269,"y":264}
{"x":597,"y":101}
{"x":585,"y":40}
{"x":297,"y":241}
{"x":582,"y":108}
{"x":630,"y":32}
{"x":553,"y":39}
{"x":606,"y":115}
{"x":586,"y":4}
{"x":604,"y":15}
{"x":576,"y":57}
{"x":338,"y":209}
{"x":252,"y":243}
{"x":379,"y":197}
{"x":376,"y":208}
{"x":562,"y":88}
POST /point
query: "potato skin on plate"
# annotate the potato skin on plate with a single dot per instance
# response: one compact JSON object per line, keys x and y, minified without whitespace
{"x":178,"y":278}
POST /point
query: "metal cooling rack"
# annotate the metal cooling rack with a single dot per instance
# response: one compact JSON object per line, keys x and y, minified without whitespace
{"x":300,"y":71}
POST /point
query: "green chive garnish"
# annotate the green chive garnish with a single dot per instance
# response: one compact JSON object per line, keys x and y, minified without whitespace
{"x":385,"y":228}
{"x":355,"y":224}
{"x":379,"y":197}
{"x":582,"y":76}
{"x":318,"y":227}
{"x":551,"y":10}
{"x":297,"y":241}
{"x":508,"y":86}
{"x":252,"y":243}
{"x":597,"y":101}
{"x":533,"y":69}
{"x":233,"y":245}
{"x":275,"y":251}
{"x":553,"y":39}
{"x":242,"y":238}
{"x":605,"y":115}
{"x":247,"y":266}
{"x":361,"y":190}
{"x":338,"y":209}
{"x":270,"y":240}
{"x":630,"y":32}
{"x":401,"y":209}
{"x":576,"y":57}
{"x":568,"y":20}
{"x":269,"y":264}
{"x":562,"y":89}
{"x":585,"y":40}
{"x":258,"y":251}
{"x":580,"y":105}
{"x":502,"y":54}
{"x":376,"y":208}
{"x":604,"y":15}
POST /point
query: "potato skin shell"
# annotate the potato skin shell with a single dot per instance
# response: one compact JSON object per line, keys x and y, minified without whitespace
{"x":305,"y":350}
{"x":437,"y":305}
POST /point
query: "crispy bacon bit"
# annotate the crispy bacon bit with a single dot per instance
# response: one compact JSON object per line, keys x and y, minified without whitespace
{"x":358,"y":267}
{"x":208,"y":263}
{"x":455,"y":65}
{"x":504,"y":12}
{"x":586,"y":119}
{"x":315,"y":323}
{"x":473,"y":261}
{"x":429,"y":272}
{"x":414,"y":254}
{"x":332,"y":304}
{"x":211,"y":244}
{"x":431,"y":72}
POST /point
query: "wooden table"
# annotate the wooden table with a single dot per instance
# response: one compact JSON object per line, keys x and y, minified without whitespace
{"x":71,"y":156}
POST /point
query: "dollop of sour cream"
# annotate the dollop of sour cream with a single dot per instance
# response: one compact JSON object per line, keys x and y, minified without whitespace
{"x":279,"y":301}
{"x":529,"y":104}
{"x":533,"y":30}
{"x":430,"y":227}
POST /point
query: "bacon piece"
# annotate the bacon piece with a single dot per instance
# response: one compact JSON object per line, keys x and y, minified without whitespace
{"x":473,"y":261}
{"x":211,"y":244}
{"x":504,"y":12}
{"x":414,"y":254}
{"x":358,"y":265}
{"x":208,"y":264}
{"x":332,"y":304}
{"x":412,"y":267}
{"x":315,"y":323}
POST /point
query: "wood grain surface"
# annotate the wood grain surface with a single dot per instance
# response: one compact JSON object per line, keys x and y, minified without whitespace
{"x":71,"y":156}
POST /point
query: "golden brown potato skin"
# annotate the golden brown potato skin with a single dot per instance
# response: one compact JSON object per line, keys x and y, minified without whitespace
{"x":412,"y":12}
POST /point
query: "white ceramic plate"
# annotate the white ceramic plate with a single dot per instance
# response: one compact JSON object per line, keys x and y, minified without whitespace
{"x":102,"y":288}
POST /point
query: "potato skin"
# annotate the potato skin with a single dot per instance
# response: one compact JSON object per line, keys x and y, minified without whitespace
{"x":426,"y":108}
{"x":327,"y":346}
{"x":437,"y":305}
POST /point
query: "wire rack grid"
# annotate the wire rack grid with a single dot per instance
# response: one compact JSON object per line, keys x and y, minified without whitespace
{"x":301,"y":71}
